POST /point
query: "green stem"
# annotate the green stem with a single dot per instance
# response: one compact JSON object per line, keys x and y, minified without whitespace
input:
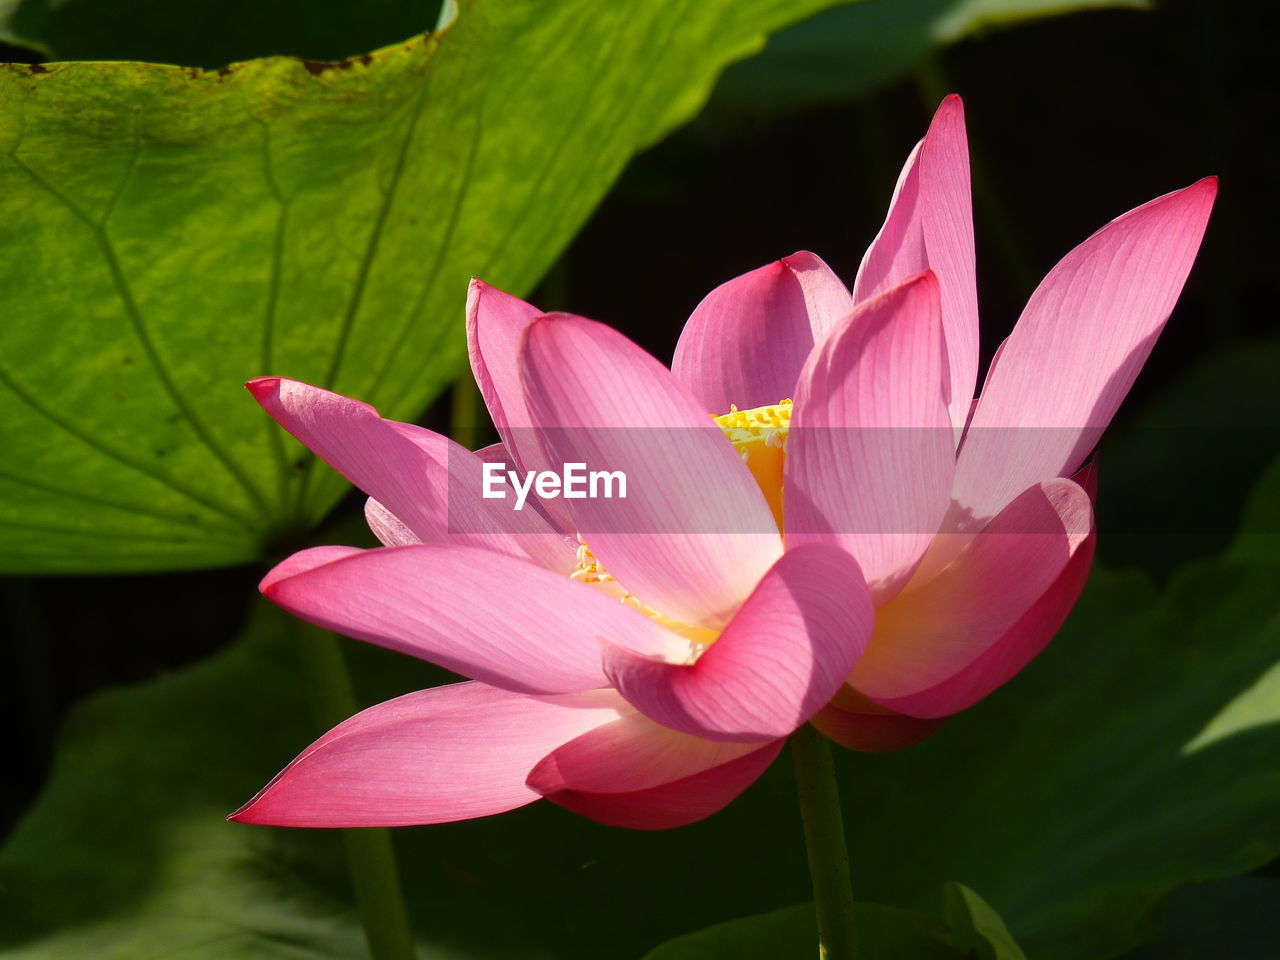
{"x":824,"y":841}
{"x":370,"y":856}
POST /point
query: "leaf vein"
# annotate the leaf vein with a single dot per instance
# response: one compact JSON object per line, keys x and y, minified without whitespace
{"x":442,"y":252}
{"x":375,"y":235}
{"x":108,"y":252}
{"x":89,"y":440}
{"x":274,"y":433}
{"x":135,"y":508}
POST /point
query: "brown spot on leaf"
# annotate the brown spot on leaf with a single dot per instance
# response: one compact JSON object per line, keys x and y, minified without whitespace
{"x":317,"y":67}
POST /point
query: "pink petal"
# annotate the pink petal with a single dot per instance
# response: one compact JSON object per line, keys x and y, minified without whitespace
{"x":746,"y":341}
{"x":1076,"y":350}
{"x":364,"y":448}
{"x":503,"y":621}
{"x":674,"y":804}
{"x":628,"y":754}
{"x":495,"y":323}
{"x":873,"y":732}
{"x":495,"y":453}
{"x":552,"y":511}
{"x":898,"y":250}
{"x":429,"y":483}
{"x":495,"y":326}
{"x":781,"y":658}
{"x":930,"y":227}
{"x":933,"y":631}
{"x":694,"y":533}
{"x":305,"y":560}
{"x":450,"y":753}
{"x":529,"y":533}
{"x":387,"y":527}
{"x":870,"y":454}
{"x":1022,"y":643}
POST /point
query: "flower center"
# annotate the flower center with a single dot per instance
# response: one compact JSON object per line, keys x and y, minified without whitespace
{"x":590,"y":570}
{"x":760,"y":436}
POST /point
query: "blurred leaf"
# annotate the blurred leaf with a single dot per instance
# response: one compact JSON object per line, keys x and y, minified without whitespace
{"x":976,"y":929}
{"x":1135,"y":756}
{"x":200,"y":33}
{"x":793,"y":932}
{"x":7,"y":33}
{"x":128,"y":849}
{"x":849,"y":51}
{"x":1259,"y":540}
{"x":1177,"y":471}
{"x":1231,"y":918}
{"x":169,"y":232}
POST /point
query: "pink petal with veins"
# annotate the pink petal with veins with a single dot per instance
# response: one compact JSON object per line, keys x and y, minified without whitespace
{"x":694,"y":534}
{"x":746,"y":342}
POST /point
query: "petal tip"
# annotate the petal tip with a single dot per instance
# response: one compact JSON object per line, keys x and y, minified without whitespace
{"x":302,"y":562}
{"x":950,"y":112}
{"x":244,"y":813}
{"x":926,"y":277}
{"x":923,"y":283}
{"x":269,"y":585}
{"x":1207,"y":187}
{"x":545,"y":778}
{"x":802,"y":261}
{"x":477,"y":290}
{"x":550,"y":324}
{"x":1198,"y":196}
{"x":263,"y":387}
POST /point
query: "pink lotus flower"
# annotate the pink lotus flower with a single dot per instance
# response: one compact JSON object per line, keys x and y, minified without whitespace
{"x":605,"y":707}
{"x":747,"y":570}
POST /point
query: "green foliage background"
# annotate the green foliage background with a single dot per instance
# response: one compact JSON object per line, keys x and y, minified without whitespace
{"x":172,"y":232}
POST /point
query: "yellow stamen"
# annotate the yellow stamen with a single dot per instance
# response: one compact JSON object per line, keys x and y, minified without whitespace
{"x":590,"y":570}
{"x":760,"y":435}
